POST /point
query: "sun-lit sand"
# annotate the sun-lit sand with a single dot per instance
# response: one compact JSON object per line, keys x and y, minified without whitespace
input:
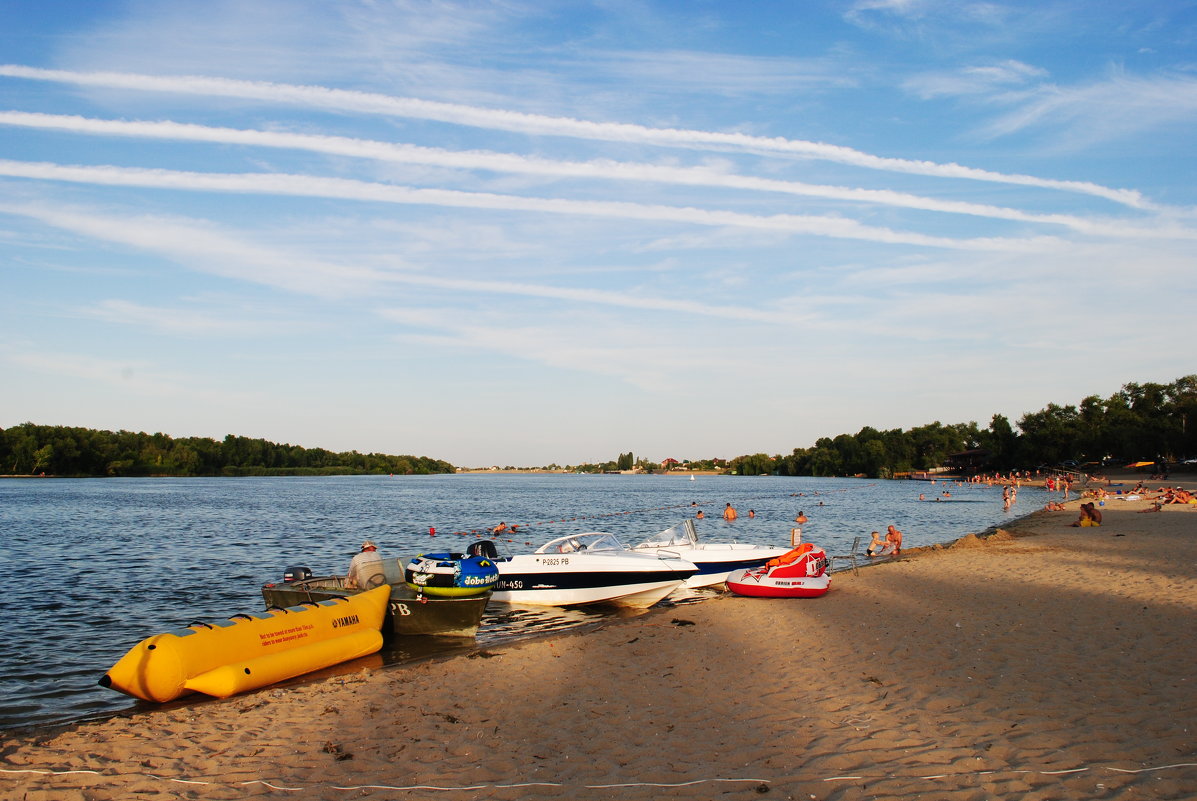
{"x":1043,"y":662}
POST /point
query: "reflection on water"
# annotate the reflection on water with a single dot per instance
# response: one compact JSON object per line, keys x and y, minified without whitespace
{"x":103,"y":563}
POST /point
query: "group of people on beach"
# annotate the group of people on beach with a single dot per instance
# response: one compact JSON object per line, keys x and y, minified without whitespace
{"x":1090,"y":515}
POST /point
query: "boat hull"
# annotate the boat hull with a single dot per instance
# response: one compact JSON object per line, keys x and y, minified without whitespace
{"x":744,"y":583}
{"x":408,"y":613}
{"x":627,"y":579}
{"x":581,"y":590}
{"x":716,"y":561}
{"x":250,"y":651}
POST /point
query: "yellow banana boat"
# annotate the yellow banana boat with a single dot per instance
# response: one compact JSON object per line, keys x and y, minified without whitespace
{"x":250,"y":651}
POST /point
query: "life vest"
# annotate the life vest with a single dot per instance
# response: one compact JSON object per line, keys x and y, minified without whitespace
{"x":806,"y":560}
{"x":790,"y":557}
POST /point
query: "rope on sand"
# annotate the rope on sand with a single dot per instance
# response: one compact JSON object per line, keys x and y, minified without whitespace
{"x":1161,"y":767}
{"x":351,"y":788}
{"x":1017,"y":770}
{"x":541,"y":784}
{"x":439,"y":788}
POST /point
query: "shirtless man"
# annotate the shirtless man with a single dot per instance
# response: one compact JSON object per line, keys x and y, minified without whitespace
{"x":893,"y":538}
{"x":729,"y":512}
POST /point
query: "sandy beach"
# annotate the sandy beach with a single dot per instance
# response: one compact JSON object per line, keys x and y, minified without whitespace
{"x":1042,"y":662}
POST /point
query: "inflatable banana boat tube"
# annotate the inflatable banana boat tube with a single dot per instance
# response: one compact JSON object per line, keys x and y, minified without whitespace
{"x":250,"y":651}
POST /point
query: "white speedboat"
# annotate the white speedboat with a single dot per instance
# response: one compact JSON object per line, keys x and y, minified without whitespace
{"x":714,"y":560}
{"x":589,"y":568}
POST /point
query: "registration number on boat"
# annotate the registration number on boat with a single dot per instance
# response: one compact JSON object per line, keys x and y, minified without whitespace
{"x":555,"y":561}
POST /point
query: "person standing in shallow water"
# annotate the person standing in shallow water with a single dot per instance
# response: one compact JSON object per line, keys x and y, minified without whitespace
{"x":729,"y":512}
{"x":801,"y":518}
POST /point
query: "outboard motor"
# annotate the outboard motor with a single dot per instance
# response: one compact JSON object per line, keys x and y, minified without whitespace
{"x":482,"y":548}
{"x":292,"y":574}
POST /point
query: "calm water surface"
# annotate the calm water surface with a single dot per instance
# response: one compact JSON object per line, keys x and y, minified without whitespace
{"x":96,"y":565}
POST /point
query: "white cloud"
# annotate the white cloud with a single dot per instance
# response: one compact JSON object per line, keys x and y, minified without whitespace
{"x":203,"y":247}
{"x":648,"y":356}
{"x":974,"y":80}
{"x":133,"y":377}
{"x":178,"y":320}
{"x":206,"y":248}
{"x":722,"y":73}
{"x":1115,"y":108}
{"x":919,"y":17}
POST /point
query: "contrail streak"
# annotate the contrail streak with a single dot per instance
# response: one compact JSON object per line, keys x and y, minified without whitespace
{"x":310,"y":186}
{"x":539,"y":124}
{"x":511,"y":163}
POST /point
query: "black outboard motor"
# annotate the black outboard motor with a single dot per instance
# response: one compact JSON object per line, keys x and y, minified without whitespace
{"x":296,"y":574}
{"x":483,"y":548}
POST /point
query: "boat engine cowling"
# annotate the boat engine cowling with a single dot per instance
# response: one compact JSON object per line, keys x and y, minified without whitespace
{"x":296,"y":573}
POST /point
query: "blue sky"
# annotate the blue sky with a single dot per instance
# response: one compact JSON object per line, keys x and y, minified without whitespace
{"x":523,"y":233}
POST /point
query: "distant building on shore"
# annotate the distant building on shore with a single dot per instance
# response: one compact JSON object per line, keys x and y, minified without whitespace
{"x":968,"y":462}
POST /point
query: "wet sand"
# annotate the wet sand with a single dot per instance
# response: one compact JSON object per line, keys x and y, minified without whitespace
{"x":1043,"y":662}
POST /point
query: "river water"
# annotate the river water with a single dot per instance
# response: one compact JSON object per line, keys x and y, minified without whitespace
{"x":96,"y":565}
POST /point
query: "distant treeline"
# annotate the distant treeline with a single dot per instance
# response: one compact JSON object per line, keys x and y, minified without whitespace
{"x":1140,"y":422}
{"x":29,"y":449}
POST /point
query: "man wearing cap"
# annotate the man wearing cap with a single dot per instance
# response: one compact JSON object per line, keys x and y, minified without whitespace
{"x":365,"y":570}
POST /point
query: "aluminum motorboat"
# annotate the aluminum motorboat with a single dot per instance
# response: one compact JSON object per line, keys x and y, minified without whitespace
{"x":590,"y":568}
{"x":714,"y":560}
{"x":409,"y":611}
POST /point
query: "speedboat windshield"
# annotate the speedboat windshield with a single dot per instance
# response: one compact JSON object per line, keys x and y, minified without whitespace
{"x":680,"y":536}
{"x":594,"y":541}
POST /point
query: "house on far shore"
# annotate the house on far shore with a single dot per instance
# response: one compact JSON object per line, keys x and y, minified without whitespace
{"x":670,"y":464}
{"x":968,"y":462}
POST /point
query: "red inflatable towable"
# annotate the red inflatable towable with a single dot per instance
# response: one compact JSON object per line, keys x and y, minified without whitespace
{"x":801,"y":573}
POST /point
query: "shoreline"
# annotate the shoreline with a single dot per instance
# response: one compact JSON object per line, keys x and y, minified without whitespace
{"x":980,"y":668}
